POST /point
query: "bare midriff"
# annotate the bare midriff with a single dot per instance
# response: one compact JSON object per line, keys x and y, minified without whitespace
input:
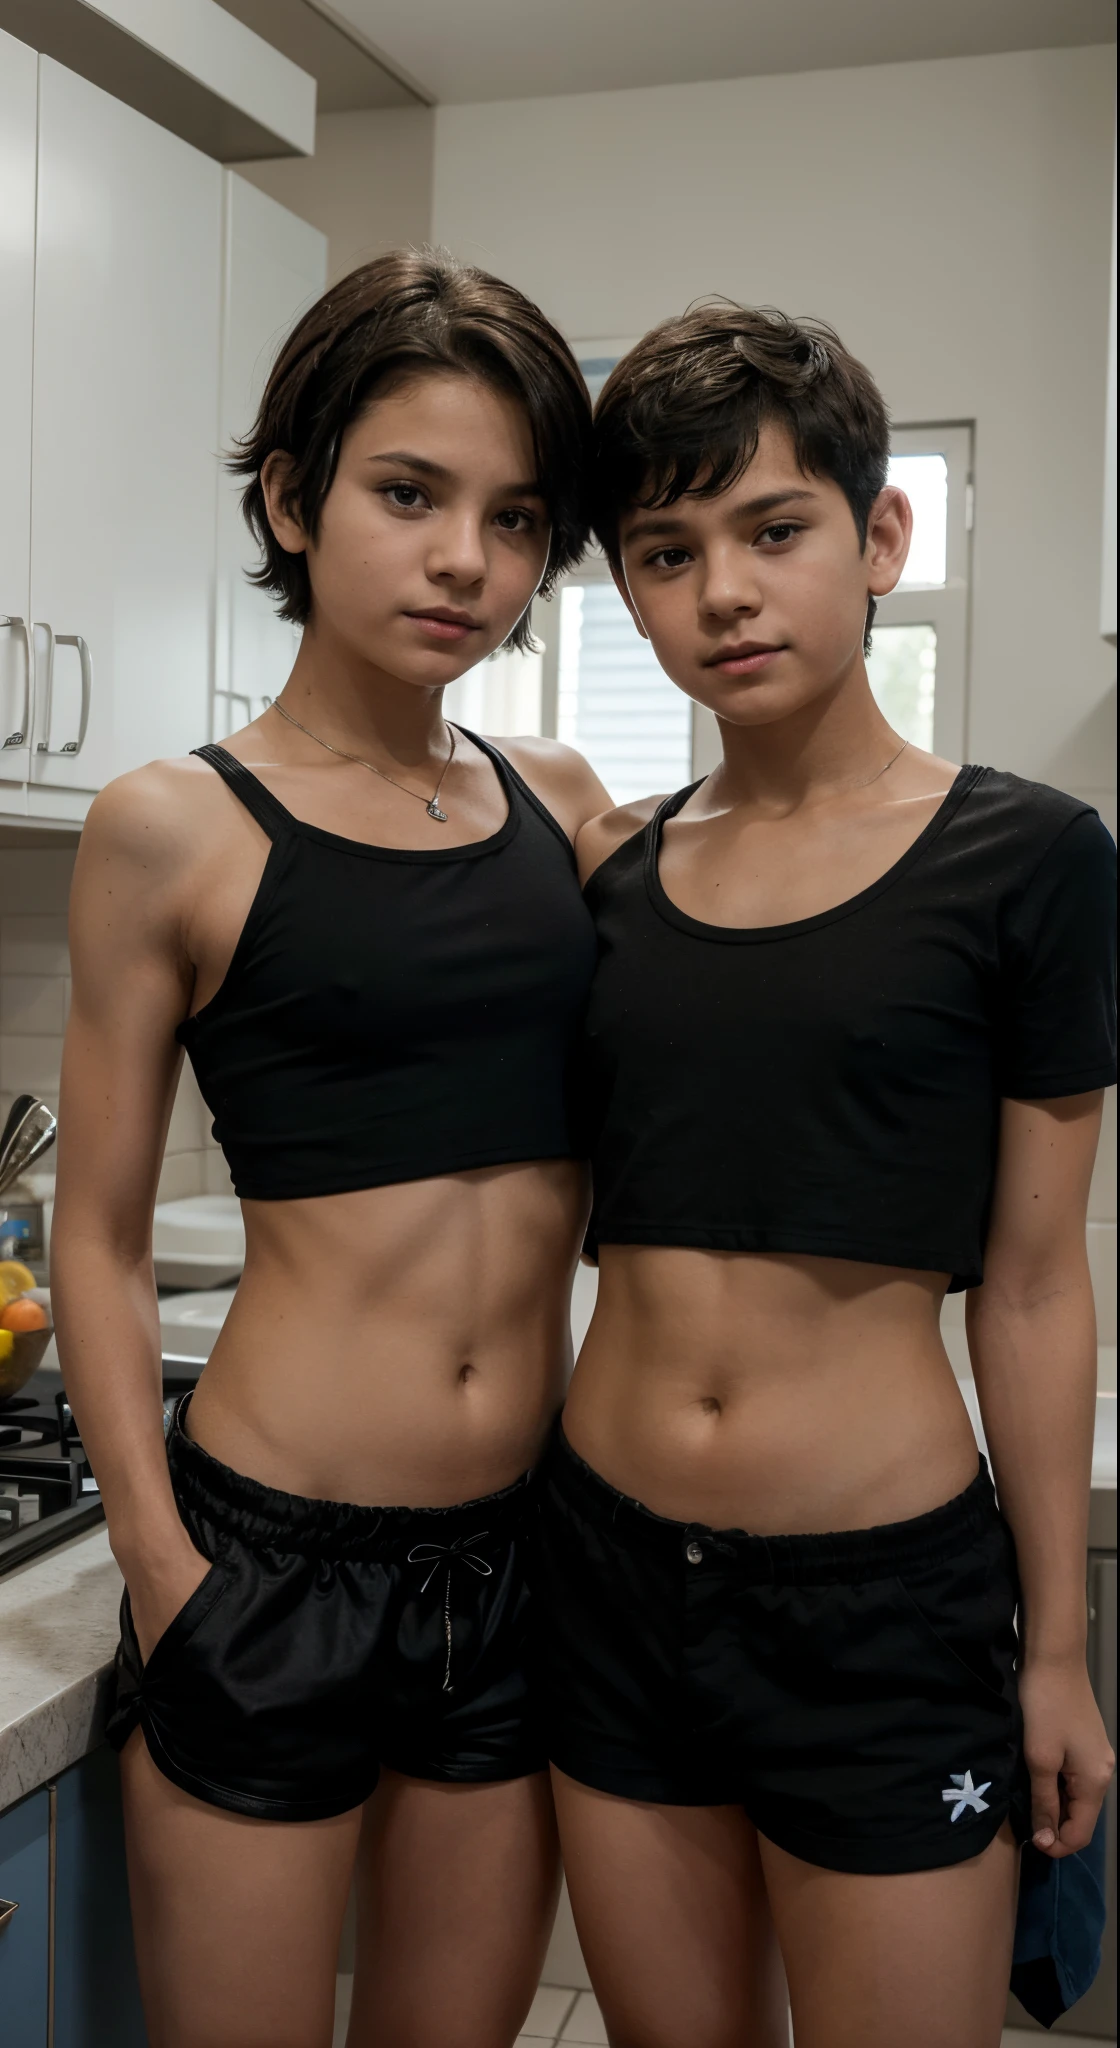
{"x":777,"y":1394}
{"x":400,"y":1346}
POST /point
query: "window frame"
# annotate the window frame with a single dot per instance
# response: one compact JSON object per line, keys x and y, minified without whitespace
{"x":944,"y":606}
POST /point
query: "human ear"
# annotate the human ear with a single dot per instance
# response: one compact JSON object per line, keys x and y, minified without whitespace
{"x":623,"y":589}
{"x":276,"y":484}
{"x":889,"y":527}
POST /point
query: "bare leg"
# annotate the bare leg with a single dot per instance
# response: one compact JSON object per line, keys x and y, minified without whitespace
{"x":922,"y":1958}
{"x":236,"y":1921}
{"x":457,"y":1889}
{"x":671,"y":1910}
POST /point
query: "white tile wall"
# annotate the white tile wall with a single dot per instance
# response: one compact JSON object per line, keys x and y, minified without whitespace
{"x":35,"y":999}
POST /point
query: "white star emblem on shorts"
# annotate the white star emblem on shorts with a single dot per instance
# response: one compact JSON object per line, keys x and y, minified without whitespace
{"x":963,"y":1793}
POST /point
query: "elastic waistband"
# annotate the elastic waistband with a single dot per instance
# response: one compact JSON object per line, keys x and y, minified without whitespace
{"x":263,"y":1516}
{"x":845,"y":1556}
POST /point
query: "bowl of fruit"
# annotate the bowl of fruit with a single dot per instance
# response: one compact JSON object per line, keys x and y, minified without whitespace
{"x":25,"y":1326}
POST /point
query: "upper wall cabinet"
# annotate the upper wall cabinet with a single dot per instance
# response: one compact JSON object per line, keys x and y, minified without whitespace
{"x":18,"y":92}
{"x":275,"y":267}
{"x":145,"y":292}
{"x":127,"y":323}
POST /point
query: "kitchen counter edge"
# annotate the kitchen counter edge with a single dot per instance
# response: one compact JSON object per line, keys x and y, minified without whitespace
{"x":58,"y":1636}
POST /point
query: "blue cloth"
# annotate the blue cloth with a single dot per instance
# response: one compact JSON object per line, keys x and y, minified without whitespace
{"x":1058,"y":1932}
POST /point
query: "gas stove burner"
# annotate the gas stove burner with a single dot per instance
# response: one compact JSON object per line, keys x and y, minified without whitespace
{"x":24,"y":1420}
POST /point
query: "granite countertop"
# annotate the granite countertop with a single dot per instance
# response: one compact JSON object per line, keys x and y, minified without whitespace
{"x":58,"y":1634}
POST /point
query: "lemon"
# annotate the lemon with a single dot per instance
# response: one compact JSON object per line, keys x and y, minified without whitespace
{"x":15,"y":1278}
{"x":7,"y":1344}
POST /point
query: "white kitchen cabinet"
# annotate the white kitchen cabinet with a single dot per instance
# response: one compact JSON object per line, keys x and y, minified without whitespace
{"x":275,"y":267}
{"x":124,"y":430}
{"x":145,"y":293}
{"x":18,"y":92}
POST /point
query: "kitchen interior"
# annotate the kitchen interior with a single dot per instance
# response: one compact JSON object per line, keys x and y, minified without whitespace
{"x":178,"y":179}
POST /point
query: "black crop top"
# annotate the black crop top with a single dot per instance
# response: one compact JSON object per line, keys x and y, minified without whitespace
{"x":832,"y":1086}
{"x":391,"y":1014}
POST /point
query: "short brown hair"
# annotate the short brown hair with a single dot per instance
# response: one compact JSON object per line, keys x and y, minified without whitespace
{"x":681,"y":413}
{"x":413,"y":310}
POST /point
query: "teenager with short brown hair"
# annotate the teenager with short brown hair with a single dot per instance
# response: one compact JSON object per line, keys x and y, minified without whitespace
{"x":852,"y":1018}
{"x":364,"y":924}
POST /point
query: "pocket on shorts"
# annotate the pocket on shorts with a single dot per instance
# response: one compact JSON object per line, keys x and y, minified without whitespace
{"x":964,"y":1610}
{"x":189,"y":1618}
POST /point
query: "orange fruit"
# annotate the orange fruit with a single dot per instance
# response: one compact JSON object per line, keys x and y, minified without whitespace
{"x":15,"y":1278}
{"x":21,"y":1314}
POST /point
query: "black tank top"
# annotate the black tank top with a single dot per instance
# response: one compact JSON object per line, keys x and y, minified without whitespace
{"x":832,"y":1086}
{"x":391,"y":1014}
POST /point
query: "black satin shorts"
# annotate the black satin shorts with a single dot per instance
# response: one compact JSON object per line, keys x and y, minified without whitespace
{"x":854,"y":1693}
{"x":327,"y":1640}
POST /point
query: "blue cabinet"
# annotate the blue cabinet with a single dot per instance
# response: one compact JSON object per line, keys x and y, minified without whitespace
{"x":72,"y":1903}
{"x":96,"y":1995}
{"x":25,"y":1936}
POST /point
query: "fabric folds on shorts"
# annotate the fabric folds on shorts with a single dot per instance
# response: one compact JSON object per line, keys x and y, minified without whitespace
{"x":327,"y":1640}
{"x":855,"y":1693}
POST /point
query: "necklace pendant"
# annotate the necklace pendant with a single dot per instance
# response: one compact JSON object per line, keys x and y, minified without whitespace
{"x":435,"y":812}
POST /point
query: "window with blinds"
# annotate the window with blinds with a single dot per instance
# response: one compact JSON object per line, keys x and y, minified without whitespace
{"x":614,"y":702}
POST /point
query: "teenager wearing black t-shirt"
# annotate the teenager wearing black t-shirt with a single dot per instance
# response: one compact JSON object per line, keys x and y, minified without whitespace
{"x":846,"y":1045}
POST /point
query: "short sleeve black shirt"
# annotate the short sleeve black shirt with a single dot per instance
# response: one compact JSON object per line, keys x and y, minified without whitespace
{"x":832,"y":1086}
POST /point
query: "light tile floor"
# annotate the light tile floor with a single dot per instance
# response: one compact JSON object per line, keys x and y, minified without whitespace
{"x":562,"y":2018}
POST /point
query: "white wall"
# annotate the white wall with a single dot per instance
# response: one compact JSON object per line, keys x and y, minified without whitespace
{"x":368,"y":186}
{"x":950,"y":218}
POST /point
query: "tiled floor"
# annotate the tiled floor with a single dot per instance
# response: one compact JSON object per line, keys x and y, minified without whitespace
{"x":561,"y":2015}
{"x":561,"y":2018}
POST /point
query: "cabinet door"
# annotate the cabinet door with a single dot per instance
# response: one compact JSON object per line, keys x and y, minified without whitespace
{"x":124,"y":433}
{"x":96,"y":1994}
{"x":275,"y":267}
{"x":24,"y":1938}
{"x":19,"y":68}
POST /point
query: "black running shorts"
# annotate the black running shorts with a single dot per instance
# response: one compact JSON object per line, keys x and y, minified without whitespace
{"x":327,"y":1640}
{"x":855,"y":1693}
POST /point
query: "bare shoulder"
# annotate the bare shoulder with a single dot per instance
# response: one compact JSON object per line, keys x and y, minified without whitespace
{"x":922,"y":774}
{"x":560,"y":776}
{"x":150,"y":818}
{"x":603,"y":835}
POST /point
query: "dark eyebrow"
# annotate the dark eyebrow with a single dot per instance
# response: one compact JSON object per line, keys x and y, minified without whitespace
{"x":410,"y":461}
{"x":427,"y":467}
{"x":659,"y":522}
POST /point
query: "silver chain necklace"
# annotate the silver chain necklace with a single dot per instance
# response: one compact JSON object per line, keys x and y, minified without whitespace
{"x":883,"y":769}
{"x":431,"y":804}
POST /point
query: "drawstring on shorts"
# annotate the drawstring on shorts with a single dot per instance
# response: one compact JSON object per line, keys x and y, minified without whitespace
{"x":448,"y":1554}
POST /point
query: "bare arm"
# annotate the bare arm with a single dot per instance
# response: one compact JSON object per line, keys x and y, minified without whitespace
{"x":131,"y":985}
{"x":1032,"y":1337}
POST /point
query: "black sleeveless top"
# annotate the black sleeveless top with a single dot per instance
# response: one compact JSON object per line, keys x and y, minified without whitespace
{"x":832,"y":1086}
{"x":391,"y":1014}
